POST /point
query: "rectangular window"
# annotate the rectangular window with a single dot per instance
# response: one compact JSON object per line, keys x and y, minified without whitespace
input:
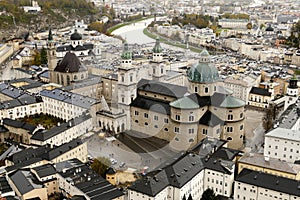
{"x":177,"y":117}
{"x":191,"y":130}
{"x":176,"y":130}
{"x":204,"y":131}
{"x":230,"y":117}
{"x":146,"y":115}
{"x":156,"y":117}
{"x":166,"y":120}
{"x":191,"y":118}
{"x":229,"y":129}
{"x":136,"y":112}
{"x":241,"y":127}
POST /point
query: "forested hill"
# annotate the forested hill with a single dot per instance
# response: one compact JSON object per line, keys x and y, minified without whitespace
{"x":55,"y":13}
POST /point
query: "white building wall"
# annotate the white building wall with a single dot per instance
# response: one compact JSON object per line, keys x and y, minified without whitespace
{"x":221,"y":183}
{"x":22,"y":111}
{"x":61,"y":109}
{"x":68,"y":135}
{"x":282,"y":149}
{"x":245,"y":191}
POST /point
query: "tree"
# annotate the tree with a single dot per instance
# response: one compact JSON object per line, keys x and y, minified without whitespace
{"x":37,"y":58}
{"x":208,"y":194}
{"x":44,"y":59}
{"x":97,"y":26}
{"x":112,"y":13}
{"x":262,"y":26}
{"x":100,"y":165}
{"x":270,"y":116}
{"x":249,"y":26}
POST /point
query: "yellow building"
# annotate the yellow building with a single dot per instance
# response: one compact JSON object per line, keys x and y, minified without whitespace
{"x":258,"y":162}
{"x":27,"y":186}
{"x":111,"y":176}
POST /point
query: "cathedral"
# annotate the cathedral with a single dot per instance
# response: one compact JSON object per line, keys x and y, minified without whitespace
{"x":185,"y":115}
{"x":179,"y":108}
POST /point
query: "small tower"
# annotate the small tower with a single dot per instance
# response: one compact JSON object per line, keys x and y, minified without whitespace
{"x":157,"y":52}
{"x":51,"y":54}
{"x":111,"y":176}
{"x":76,"y":39}
{"x":292,"y":89}
{"x":158,"y":65}
{"x":127,"y":83}
{"x":126,"y":57}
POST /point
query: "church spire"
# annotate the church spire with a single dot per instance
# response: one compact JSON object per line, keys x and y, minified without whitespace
{"x":50,"y":36}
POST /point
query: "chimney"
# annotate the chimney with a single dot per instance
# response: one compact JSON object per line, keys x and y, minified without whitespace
{"x":267,"y":158}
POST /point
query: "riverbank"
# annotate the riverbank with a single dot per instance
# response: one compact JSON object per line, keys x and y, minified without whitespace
{"x":171,"y":43}
{"x":118,"y":26}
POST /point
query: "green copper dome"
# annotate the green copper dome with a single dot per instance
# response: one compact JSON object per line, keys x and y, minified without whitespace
{"x":126,"y":53}
{"x":204,"y":71}
{"x":157,"y":48}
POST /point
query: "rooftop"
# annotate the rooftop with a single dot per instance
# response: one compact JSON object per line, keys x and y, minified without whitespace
{"x":182,"y":168}
{"x":69,"y":97}
{"x":268,"y":181}
{"x":167,"y":89}
{"x":24,"y":181}
{"x":90,"y":183}
{"x":272,"y":163}
{"x":283,"y":133}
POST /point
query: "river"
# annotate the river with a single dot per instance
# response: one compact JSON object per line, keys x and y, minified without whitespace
{"x":133,"y":33}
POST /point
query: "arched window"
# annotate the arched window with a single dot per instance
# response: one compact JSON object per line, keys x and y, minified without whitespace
{"x":75,"y":77}
{"x":206,"y":90}
{"x":82,"y":76}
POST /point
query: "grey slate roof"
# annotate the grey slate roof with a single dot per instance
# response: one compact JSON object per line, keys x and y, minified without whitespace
{"x":4,"y":185}
{"x":209,"y":119}
{"x":45,"y":170}
{"x":44,"y":74}
{"x":29,"y":83}
{"x":217,"y":100}
{"x":181,"y":169}
{"x":24,"y":181}
{"x":29,"y":156}
{"x":71,"y":48}
{"x":167,"y":89}
{"x":91,"y":184}
{"x":260,"y":91}
{"x":70,"y":64}
{"x":69,"y":97}
{"x":12,"y":91}
{"x":151,"y":104}
{"x":43,"y":135}
{"x":19,"y":102}
{"x":3,"y":129}
{"x":268,"y":181}
{"x":18,"y":124}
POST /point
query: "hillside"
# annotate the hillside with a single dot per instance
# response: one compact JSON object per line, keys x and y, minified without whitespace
{"x":14,"y":22}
